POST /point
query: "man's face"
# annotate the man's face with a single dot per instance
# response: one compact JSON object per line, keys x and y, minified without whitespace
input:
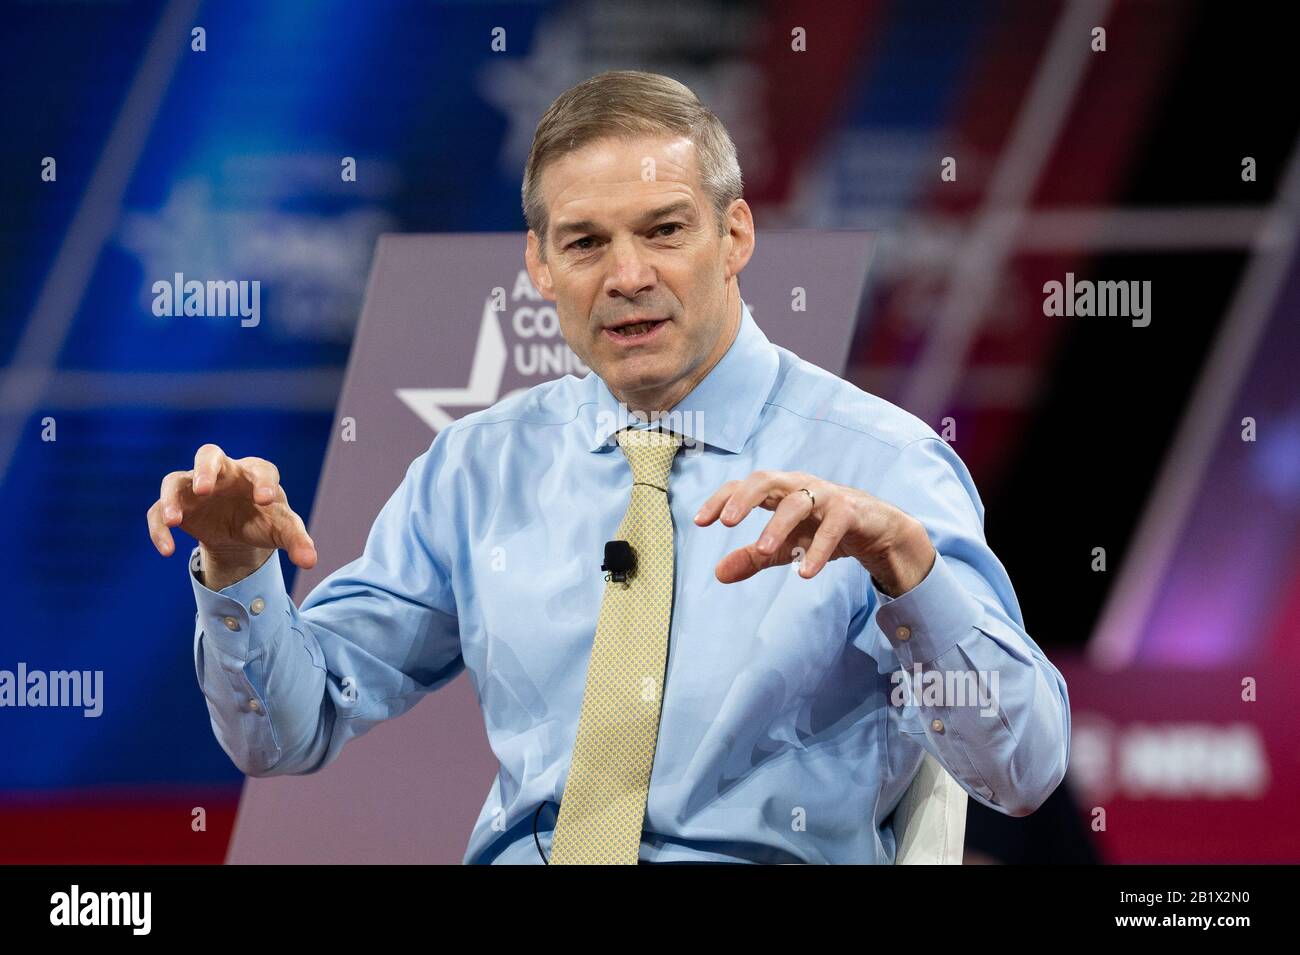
{"x":633,"y":236}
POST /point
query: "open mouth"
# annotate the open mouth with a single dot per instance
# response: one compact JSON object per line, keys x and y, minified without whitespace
{"x":633,"y":334}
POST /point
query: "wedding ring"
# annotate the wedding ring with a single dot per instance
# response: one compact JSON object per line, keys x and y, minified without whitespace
{"x":810,"y":496}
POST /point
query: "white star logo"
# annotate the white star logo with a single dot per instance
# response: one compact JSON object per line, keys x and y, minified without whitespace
{"x":484,"y":378}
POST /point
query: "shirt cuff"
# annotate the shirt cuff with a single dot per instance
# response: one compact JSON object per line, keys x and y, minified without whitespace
{"x":232,"y":618}
{"x":929,"y":619}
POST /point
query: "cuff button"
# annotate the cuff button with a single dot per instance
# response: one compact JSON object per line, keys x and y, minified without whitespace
{"x":231,"y":623}
{"x":936,"y":725}
{"x":903,"y":633}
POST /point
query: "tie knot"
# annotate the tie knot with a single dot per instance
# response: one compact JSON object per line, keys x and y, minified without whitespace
{"x":650,"y":454}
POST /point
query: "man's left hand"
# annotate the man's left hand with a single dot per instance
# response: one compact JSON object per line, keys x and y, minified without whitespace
{"x":827,"y":522}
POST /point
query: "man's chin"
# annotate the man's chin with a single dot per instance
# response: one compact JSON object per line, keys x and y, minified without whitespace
{"x":634,"y":386}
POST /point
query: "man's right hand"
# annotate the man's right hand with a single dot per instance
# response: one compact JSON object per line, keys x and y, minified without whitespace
{"x":236,"y":510}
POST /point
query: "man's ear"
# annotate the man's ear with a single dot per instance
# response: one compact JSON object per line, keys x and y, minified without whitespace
{"x":538,"y":271}
{"x":740,"y":225}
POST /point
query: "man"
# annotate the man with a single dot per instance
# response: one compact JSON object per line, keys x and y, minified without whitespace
{"x":730,"y":691}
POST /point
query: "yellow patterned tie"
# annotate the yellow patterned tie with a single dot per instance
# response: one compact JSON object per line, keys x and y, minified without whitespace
{"x":604,"y":800}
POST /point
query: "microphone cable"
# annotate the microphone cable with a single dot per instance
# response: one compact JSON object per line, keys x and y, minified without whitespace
{"x":536,"y":840}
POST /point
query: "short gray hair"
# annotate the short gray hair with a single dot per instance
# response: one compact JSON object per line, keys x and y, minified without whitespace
{"x":624,"y":104}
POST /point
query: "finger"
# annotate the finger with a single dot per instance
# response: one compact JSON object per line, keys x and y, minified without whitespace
{"x":766,"y":488}
{"x":835,"y":523}
{"x":742,"y":564}
{"x":709,"y":511}
{"x":209,"y":461}
{"x":264,"y":476}
{"x":291,"y":536}
{"x":158,"y":532}
{"x":794,"y":508}
{"x":304,"y":548}
{"x":173,"y":496}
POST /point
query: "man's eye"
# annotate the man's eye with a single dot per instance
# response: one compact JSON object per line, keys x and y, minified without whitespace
{"x":667,"y":225}
{"x":574,"y":245}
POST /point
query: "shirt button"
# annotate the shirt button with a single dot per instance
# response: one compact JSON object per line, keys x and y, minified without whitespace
{"x":254,"y":706}
{"x":903,"y":633}
{"x":936,"y":725}
{"x":258,"y":605}
{"x":231,"y":623}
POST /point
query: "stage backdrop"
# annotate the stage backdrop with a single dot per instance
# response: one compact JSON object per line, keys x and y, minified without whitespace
{"x":431,"y":347}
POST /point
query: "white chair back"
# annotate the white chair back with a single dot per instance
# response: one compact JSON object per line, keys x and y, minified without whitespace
{"x":930,"y":821}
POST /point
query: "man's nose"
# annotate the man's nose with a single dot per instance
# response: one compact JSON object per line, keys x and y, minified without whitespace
{"x":630,"y":272}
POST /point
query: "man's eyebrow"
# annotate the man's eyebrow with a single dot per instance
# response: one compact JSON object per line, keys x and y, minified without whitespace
{"x":681,"y":207}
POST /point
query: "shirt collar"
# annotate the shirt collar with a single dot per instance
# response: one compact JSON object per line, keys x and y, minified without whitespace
{"x":721,"y":411}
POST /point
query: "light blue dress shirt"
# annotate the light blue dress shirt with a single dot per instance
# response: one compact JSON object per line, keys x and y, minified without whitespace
{"x":785,"y":733}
